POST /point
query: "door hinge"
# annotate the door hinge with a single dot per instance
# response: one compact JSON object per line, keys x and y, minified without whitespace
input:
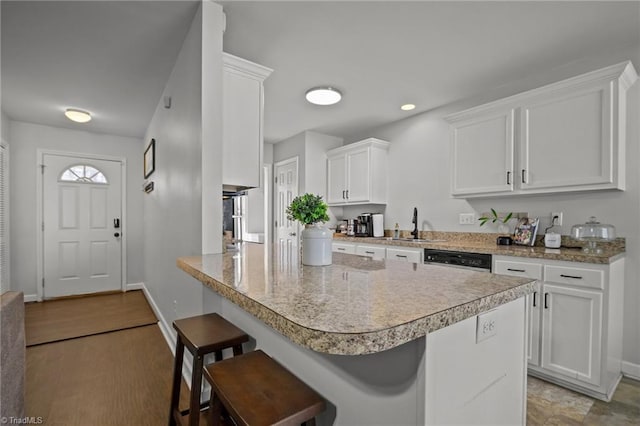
{"x":42,"y":168}
{"x":43,"y":283}
{"x":276,"y":223}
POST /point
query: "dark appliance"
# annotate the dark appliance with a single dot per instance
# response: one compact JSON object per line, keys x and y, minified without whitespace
{"x":364,"y":227}
{"x":475,"y":261}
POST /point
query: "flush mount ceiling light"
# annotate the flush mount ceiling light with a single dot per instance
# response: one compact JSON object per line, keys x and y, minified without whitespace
{"x":407,"y":107}
{"x":323,"y":95}
{"x":77,"y":115}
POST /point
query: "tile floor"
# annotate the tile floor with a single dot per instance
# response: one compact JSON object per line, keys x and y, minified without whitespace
{"x":548,"y":404}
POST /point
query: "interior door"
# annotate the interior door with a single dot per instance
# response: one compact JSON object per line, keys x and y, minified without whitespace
{"x":286,"y":183}
{"x":82,"y":225}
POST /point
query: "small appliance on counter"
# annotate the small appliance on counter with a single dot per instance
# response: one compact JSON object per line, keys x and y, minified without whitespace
{"x":352,"y":224}
{"x":552,"y":240}
{"x":377,"y":225}
{"x":364,"y":227}
{"x":504,"y":241}
{"x":593,"y":232}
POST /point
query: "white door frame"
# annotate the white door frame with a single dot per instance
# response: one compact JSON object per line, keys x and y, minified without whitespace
{"x":296,"y":160}
{"x":40,"y":153}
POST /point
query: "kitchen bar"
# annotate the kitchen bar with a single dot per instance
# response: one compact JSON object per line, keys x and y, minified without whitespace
{"x":394,"y":320}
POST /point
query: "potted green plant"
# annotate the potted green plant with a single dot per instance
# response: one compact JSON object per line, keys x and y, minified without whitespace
{"x":494,"y":217}
{"x":311,"y":211}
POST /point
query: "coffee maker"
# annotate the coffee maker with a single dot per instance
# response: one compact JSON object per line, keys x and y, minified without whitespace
{"x":364,"y":226}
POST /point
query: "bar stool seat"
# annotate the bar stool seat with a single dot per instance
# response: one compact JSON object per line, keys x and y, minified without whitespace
{"x":256,"y":390}
{"x":201,"y":335}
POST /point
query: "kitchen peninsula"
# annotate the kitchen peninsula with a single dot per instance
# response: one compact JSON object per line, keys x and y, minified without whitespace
{"x":385,"y":342}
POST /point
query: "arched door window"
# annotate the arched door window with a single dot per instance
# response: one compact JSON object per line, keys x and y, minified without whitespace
{"x":83,"y":173}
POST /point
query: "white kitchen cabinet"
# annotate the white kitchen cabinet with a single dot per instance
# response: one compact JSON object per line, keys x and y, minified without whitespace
{"x":405,"y":254}
{"x":357,"y":173}
{"x":527,"y":270}
{"x":375,"y":251}
{"x":343,"y":247}
{"x":565,"y":137}
{"x":572,"y":332}
{"x":576,"y":322}
{"x":243,"y":101}
{"x":482,"y":152}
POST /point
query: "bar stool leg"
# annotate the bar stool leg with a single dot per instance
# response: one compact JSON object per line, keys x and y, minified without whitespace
{"x":196,"y":383}
{"x":215,"y":410}
{"x":177,"y":376}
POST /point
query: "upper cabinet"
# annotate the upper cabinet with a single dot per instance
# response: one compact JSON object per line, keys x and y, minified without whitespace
{"x":357,"y":173}
{"x":243,"y":103}
{"x":564,"y":137}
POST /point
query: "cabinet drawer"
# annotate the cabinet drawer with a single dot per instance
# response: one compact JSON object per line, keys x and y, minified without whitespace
{"x":376,"y":252}
{"x":519,"y":269}
{"x":574,"y":276}
{"x":344,"y":248}
{"x":407,"y":255}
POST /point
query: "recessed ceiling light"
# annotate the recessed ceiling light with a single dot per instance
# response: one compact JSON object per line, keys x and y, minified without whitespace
{"x":323,"y":96}
{"x":77,"y":115}
{"x":407,"y":107}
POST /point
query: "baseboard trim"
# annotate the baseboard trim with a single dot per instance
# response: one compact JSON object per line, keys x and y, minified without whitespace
{"x":30,"y":298}
{"x":631,"y":370}
{"x":169,"y":335}
{"x":135,"y":286}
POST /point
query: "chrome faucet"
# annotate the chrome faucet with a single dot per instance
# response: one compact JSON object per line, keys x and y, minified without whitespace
{"x":415,"y":223}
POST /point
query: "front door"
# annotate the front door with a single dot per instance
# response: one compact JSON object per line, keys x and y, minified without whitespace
{"x":82,"y":227}
{"x":286,"y":183}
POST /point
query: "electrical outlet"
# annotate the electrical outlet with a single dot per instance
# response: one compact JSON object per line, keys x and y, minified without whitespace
{"x":467,"y":218}
{"x":558,"y":221}
{"x":487,"y":325}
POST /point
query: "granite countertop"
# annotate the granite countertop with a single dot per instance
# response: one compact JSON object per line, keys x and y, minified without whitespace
{"x":486,"y":243}
{"x":355,"y":306}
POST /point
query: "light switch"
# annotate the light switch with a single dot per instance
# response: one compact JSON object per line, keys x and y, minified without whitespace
{"x":487,"y":325}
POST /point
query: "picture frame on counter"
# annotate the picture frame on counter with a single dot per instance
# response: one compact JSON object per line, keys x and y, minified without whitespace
{"x":149,"y":165}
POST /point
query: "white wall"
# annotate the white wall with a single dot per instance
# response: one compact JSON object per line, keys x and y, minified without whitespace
{"x":26,"y":139}
{"x":419,"y":165}
{"x":5,"y":273}
{"x":5,"y":125}
{"x":175,"y":212}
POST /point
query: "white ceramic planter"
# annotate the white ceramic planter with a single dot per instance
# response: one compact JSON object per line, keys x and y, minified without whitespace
{"x":316,"y":245}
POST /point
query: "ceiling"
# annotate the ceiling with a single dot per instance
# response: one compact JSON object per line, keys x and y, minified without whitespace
{"x":113,"y":58}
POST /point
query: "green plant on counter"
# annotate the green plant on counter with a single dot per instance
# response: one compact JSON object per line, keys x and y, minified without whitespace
{"x":308,"y":209}
{"x":493,"y":218}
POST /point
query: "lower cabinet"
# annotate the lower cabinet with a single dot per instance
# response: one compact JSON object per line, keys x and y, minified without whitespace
{"x":380,"y":251}
{"x":575,"y":321}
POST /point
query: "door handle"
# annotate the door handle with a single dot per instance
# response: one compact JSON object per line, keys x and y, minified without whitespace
{"x":535,"y":293}
{"x":546,"y":304}
{"x":524,"y":180}
{"x":116,"y":223}
{"x":117,"y":234}
{"x":293,"y":234}
{"x":508,"y":178}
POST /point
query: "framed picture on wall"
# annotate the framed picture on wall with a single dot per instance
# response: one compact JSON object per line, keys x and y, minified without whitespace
{"x":150,"y":159}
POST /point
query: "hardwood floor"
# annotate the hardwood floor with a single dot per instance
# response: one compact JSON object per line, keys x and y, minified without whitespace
{"x":61,"y":319}
{"x":119,"y":378}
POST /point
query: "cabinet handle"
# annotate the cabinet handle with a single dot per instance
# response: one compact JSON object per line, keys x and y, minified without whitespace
{"x":546,"y":301}
{"x":369,"y":252}
{"x":516,"y":270}
{"x":347,"y":194}
{"x":523,"y":176}
{"x":509,"y":178}
{"x":341,"y":249}
{"x":535,"y":293}
{"x":575,"y":277}
{"x":343,"y":194}
{"x":401,"y":255}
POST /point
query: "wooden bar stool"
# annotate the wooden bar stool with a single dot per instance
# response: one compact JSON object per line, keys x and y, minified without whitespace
{"x":201,"y":335}
{"x":256,"y":390}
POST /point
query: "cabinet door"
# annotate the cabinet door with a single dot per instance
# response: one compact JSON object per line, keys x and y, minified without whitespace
{"x":336,"y":179}
{"x":242,"y":132}
{"x":482,"y":154}
{"x":343,"y":248}
{"x":572,"y":332}
{"x":528,"y":270}
{"x":567,"y":140}
{"x":377,"y":252}
{"x":358,"y":176}
{"x":405,"y":255}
